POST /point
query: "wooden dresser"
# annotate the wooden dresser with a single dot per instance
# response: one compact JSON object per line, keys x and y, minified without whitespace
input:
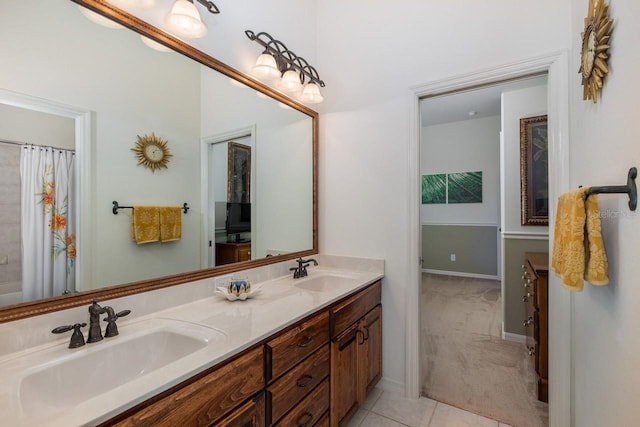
{"x":535,"y":279}
{"x":228,"y":253}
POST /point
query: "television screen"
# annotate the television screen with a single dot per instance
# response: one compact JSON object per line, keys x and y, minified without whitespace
{"x":238,"y":217}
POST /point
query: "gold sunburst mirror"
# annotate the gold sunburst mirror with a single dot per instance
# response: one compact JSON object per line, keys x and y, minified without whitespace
{"x":595,"y":43}
{"x":152,"y":152}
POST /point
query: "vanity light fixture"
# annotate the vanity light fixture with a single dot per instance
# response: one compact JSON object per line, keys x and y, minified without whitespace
{"x":184,"y":19}
{"x":295,"y":73}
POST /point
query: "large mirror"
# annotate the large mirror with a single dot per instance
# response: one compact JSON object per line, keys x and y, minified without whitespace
{"x":105,"y":90}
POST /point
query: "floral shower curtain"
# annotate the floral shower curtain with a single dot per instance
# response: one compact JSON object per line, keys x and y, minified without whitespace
{"x":48,"y":222}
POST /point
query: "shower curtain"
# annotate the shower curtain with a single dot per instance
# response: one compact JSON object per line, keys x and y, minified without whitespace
{"x":48,"y":222}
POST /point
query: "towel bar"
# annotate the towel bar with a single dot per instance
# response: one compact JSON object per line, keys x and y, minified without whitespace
{"x":629,"y":189}
{"x":116,"y":206}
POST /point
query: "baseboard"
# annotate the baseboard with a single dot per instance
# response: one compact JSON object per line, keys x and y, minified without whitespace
{"x":461,"y":274}
{"x":391,"y":386}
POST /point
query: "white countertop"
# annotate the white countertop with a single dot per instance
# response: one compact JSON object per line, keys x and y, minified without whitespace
{"x":278,"y":304}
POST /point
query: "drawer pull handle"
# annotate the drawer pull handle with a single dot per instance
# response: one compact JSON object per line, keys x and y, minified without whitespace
{"x":528,"y":322}
{"x":306,"y":343}
{"x":307,"y":417}
{"x":531,"y":351}
{"x":304,"y":381}
{"x":525,"y":298}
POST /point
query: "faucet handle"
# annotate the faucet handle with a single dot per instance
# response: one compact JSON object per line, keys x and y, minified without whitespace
{"x":112,"y":328}
{"x":77,"y":339}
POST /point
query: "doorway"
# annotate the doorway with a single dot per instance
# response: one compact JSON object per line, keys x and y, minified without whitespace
{"x":215,"y":197}
{"x":556,"y":65}
{"x":69,"y":130}
{"x":467,"y":154}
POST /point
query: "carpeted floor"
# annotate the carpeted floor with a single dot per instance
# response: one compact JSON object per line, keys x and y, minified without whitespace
{"x":465,"y":363}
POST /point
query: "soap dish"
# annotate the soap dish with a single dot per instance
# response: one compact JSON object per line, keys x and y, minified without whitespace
{"x":224,"y":291}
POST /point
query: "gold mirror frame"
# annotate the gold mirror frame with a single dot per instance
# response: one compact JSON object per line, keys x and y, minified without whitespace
{"x":34,"y":308}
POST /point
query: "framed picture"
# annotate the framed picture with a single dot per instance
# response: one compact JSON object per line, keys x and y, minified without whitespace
{"x":434,"y":189}
{"x":464,"y":187}
{"x":534,"y":171}
{"x":239,"y":173}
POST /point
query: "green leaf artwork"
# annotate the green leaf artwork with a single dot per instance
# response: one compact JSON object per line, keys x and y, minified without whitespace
{"x":434,"y":189}
{"x":465,"y":187}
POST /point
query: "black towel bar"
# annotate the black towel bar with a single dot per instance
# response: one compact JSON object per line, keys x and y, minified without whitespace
{"x":629,"y":189}
{"x":116,"y":206}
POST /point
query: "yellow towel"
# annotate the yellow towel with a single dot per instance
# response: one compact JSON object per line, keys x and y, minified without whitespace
{"x":170,"y":223}
{"x":146,"y":224}
{"x":578,"y":249}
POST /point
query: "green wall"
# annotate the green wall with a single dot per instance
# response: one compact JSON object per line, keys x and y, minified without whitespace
{"x":475,"y":247}
{"x":514,"y":250}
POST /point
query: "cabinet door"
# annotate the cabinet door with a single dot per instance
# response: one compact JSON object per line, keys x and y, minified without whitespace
{"x":251,"y":414}
{"x":344,"y":375}
{"x":371,"y":352}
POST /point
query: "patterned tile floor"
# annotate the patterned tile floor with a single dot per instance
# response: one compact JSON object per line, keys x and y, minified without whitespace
{"x":386,"y":409}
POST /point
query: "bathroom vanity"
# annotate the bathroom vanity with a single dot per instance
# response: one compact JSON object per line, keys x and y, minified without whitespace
{"x":299,"y":352}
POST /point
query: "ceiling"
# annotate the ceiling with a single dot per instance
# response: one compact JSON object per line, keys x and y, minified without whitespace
{"x":471,"y":104}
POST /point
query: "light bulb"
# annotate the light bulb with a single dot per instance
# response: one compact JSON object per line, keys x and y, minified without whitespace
{"x":266,"y":67}
{"x":311,"y":94}
{"x":96,"y":18}
{"x":154,"y":44}
{"x":290,"y":81}
{"x":184,"y":20}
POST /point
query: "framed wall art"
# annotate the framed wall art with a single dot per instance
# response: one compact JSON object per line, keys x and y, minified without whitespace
{"x":534,"y":171}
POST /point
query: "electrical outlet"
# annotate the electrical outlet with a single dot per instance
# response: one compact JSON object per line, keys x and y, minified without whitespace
{"x":4,"y":259}
{"x":453,"y":257}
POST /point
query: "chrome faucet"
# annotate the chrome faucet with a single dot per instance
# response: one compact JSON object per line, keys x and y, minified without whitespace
{"x":301,"y":269}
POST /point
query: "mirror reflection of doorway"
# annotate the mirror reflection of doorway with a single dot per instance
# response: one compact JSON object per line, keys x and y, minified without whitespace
{"x":229,"y":200}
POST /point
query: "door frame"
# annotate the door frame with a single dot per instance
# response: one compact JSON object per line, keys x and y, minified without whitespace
{"x":560,"y":303}
{"x":84,"y":179}
{"x":206,"y":142}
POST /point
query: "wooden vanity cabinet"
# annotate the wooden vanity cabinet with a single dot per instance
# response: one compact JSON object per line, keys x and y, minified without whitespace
{"x":314,"y":374}
{"x":535,"y":277}
{"x":356,"y":352}
{"x":216,"y":397}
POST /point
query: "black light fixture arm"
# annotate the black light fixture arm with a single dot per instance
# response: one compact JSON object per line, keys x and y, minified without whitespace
{"x":209,"y":5}
{"x":285,"y":58}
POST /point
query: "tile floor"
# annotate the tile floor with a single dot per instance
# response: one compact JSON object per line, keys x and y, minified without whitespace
{"x":386,"y":409}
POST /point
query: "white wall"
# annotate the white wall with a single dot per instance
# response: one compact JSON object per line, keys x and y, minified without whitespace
{"x":516,"y":105}
{"x":364,"y":134}
{"x":17,"y":125}
{"x":604,"y":145}
{"x":445,"y":148}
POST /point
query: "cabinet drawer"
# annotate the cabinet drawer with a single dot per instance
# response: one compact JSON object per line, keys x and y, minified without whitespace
{"x":288,"y":349}
{"x":310,"y":410}
{"x":298,"y":382}
{"x":244,"y":254}
{"x":346,"y":313}
{"x":207,"y":399}
{"x":324,"y":422}
{"x":250,"y":414}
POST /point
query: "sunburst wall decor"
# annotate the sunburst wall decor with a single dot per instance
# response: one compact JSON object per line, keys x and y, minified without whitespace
{"x":595,"y":43}
{"x":152,"y":152}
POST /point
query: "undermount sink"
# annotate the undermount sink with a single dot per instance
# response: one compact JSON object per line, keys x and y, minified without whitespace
{"x":99,"y":367}
{"x":324,"y":282}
